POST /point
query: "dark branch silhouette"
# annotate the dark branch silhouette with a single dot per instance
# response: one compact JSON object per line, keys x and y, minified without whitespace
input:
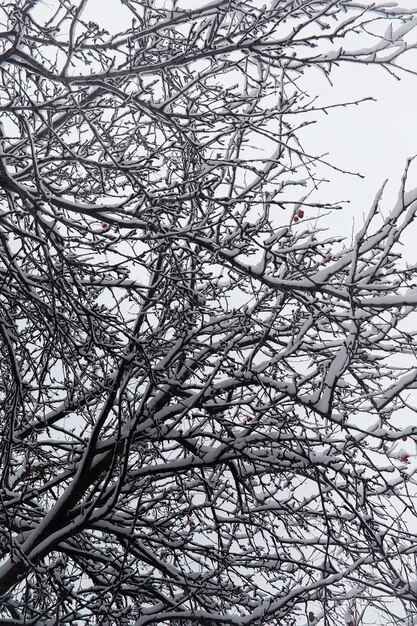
{"x":199,"y":385}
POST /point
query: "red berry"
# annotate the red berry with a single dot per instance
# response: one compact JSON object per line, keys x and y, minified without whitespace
{"x":295,"y":219}
{"x":404,"y":437}
{"x":404,"y":458}
{"x":300,"y":213}
{"x":329,"y":257}
{"x":104,"y":225}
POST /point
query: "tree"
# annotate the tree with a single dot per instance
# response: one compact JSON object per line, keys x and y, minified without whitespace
{"x":199,"y":386}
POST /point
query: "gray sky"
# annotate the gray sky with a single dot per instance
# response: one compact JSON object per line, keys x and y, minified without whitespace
{"x":374,"y":138}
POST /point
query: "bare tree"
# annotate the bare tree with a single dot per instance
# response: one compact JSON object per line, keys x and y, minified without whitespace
{"x":199,"y":386}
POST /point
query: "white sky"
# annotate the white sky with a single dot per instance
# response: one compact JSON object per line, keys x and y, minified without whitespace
{"x":374,"y":138}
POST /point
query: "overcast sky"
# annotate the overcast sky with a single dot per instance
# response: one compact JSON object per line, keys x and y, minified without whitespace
{"x":374,"y":138}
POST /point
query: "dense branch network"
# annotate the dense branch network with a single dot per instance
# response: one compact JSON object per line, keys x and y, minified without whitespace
{"x":198,"y":385}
